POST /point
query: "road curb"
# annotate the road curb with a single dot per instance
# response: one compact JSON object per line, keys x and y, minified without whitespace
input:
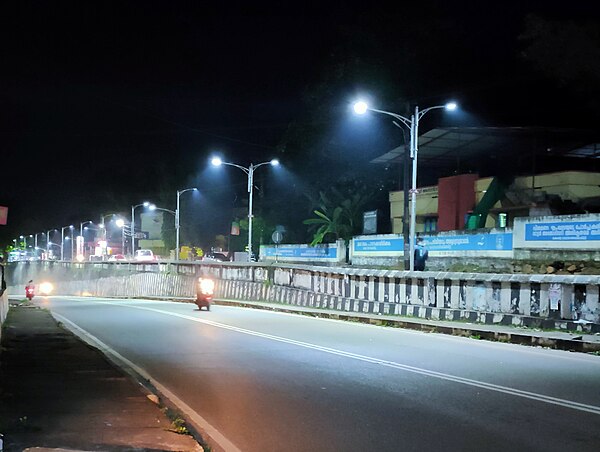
{"x":475,"y":333}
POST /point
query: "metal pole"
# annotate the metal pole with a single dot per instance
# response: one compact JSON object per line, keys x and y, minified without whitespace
{"x":62,"y":244}
{"x":414,"y":132}
{"x":72,"y":243}
{"x":132,"y":231}
{"x":47,"y":244}
{"x":250,"y":190}
{"x":177,"y":227}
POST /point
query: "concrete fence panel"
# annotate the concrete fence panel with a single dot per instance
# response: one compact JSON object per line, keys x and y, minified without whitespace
{"x":531,"y":300}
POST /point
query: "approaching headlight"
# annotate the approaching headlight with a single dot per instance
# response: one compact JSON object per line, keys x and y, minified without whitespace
{"x":207,"y":286}
{"x":46,"y":288}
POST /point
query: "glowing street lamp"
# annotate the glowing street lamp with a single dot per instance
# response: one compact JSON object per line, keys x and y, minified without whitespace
{"x":62,"y":240}
{"x":121,"y":224}
{"x":145,"y":204}
{"x":413,"y":125}
{"x":216,"y":161}
{"x":178,"y":218}
{"x":82,"y":253}
{"x":48,"y":242}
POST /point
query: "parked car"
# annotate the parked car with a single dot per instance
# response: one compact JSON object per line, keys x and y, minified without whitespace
{"x":215,"y":257}
{"x":117,"y":257}
{"x":145,"y":256}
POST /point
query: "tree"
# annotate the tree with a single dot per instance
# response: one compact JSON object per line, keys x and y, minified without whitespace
{"x":339,"y":215}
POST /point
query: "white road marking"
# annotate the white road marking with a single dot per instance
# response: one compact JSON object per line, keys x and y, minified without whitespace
{"x":120,"y":360}
{"x":515,"y":348}
{"x":392,"y":364}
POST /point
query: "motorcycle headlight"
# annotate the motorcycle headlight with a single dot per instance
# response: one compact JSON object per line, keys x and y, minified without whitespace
{"x":46,"y":288}
{"x":207,"y":285}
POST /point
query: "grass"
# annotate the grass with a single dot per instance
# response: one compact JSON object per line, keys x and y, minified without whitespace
{"x":177,"y":422}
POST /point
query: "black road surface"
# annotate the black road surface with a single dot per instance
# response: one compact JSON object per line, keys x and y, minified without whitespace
{"x":269,"y":381}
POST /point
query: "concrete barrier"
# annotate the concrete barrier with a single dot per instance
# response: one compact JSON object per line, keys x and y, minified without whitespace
{"x":547,"y":301}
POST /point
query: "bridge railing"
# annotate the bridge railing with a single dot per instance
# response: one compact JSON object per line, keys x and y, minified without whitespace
{"x":494,"y":298}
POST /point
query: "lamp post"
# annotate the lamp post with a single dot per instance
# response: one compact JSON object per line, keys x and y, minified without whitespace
{"x":413,"y":125}
{"x":121,"y":224}
{"x":102,"y":226}
{"x":177,"y":220}
{"x":145,"y":204}
{"x":81,"y":235}
{"x":48,"y":243}
{"x":216,"y":161}
{"x":35,"y":241}
{"x":62,"y":240}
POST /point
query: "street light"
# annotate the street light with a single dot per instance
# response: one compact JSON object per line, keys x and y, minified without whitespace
{"x":413,"y":125}
{"x":121,"y":224}
{"x":62,"y":241}
{"x":216,"y":161}
{"x":48,"y":243}
{"x":81,"y":235}
{"x":145,"y":204}
{"x":177,"y":220}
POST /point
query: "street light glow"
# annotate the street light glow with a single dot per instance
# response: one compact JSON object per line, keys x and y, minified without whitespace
{"x":216,"y":161}
{"x":412,"y":124}
{"x":360,"y":108}
{"x":151,"y":207}
{"x":120,"y":222}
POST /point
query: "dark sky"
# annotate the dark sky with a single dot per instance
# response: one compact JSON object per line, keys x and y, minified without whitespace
{"x":106,"y":104}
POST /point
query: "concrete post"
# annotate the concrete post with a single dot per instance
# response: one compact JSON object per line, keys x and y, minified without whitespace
{"x":592,"y":303}
{"x":505,"y":297}
{"x":544,"y":300}
{"x":455,"y":294}
{"x":440,"y":293}
{"x":525,"y":299}
{"x":566,"y":302}
{"x":402,"y":291}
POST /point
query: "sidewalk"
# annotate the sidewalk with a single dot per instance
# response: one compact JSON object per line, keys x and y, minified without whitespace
{"x":526,"y":336}
{"x":58,"y":392}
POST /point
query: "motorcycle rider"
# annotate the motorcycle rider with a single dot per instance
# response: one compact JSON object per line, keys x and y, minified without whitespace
{"x":29,"y":289}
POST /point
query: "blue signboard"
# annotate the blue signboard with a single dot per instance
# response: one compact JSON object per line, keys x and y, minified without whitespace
{"x":563,"y":232}
{"x":300,"y":251}
{"x":470,"y":242}
{"x":463,"y":242}
{"x":385,"y":244}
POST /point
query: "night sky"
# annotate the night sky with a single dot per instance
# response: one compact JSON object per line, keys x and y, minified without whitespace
{"x":104,"y":105}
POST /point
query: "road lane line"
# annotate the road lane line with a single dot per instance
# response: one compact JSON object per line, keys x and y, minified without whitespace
{"x":392,"y":364}
{"x":522,"y":349}
{"x":120,"y":360}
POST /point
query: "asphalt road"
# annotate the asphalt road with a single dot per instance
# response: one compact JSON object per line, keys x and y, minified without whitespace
{"x":269,"y":381}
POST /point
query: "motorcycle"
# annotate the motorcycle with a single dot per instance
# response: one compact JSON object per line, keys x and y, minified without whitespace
{"x":29,"y":292}
{"x":205,"y":288}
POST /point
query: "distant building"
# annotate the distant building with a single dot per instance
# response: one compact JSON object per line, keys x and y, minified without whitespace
{"x":453,"y":203}
{"x":470,"y":178}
